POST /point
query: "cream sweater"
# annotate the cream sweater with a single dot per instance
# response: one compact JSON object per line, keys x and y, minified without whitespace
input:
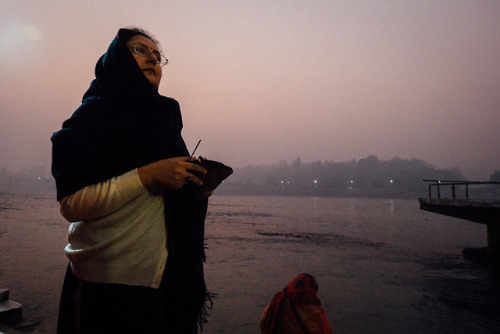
{"x":118,"y":232}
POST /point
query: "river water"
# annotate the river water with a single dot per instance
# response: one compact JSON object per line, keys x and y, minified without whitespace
{"x":383,"y":266}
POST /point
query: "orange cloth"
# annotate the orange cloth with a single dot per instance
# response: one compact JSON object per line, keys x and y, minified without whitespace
{"x":296,"y":309}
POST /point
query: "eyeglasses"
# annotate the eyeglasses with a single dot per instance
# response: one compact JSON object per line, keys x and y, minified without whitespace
{"x":143,"y":50}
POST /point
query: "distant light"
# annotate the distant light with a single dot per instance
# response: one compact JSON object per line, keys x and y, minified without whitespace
{"x":24,"y":46}
{"x":32,"y":32}
{"x":391,"y":181}
{"x":315,"y":181}
{"x":352,"y":181}
{"x":14,"y":34}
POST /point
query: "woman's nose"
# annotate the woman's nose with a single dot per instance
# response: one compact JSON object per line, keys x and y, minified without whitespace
{"x":151,"y":58}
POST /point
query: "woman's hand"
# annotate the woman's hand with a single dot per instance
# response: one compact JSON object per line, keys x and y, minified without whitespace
{"x":172,"y":173}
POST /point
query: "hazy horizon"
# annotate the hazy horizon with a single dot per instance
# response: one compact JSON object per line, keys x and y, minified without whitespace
{"x":260,"y":82}
{"x":44,"y":171}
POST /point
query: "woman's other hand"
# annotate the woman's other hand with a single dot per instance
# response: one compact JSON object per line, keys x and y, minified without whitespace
{"x":202,"y":195}
{"x":172,"y":173}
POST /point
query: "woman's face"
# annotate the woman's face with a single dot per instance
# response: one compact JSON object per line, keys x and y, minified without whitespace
{"x":148,"y":64}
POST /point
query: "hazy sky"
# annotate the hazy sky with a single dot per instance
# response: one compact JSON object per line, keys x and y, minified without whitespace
{"x":264,"y":81}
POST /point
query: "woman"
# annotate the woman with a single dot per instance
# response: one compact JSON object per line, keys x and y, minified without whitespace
{"x":124,"y":178}
{"x":296,"y":310}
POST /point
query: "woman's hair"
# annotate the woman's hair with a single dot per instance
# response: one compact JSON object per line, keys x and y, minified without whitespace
{"x":133,"y":31}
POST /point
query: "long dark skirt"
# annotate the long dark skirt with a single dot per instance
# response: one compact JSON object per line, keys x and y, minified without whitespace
{"x":94,"y":308}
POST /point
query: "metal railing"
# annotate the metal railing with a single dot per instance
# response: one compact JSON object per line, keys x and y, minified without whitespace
{"x":453,"y":184}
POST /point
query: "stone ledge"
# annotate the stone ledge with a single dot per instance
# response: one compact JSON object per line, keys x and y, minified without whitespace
{"x":10,"y":311}
{"x":4,"y":294}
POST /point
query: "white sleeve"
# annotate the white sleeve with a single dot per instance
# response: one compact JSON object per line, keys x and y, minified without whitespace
{"x":101,"y":199}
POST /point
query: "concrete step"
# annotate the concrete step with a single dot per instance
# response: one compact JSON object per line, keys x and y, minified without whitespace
{"x":5,"y":329}
{"x":4,"y":294}
{"x":10,"y":312}
{"x":8,"y":330}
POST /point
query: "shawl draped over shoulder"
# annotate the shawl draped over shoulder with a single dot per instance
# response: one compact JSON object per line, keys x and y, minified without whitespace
{"x":123,"y":123}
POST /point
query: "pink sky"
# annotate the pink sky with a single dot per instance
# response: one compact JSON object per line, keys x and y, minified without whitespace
{"x":264,"y":81}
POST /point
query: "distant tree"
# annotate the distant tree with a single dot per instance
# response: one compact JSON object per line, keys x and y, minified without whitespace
{"x":495,"y":177}
{"x":297,"y":163}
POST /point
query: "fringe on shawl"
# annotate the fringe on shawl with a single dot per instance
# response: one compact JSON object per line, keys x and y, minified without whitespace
{"x":204,"y":311}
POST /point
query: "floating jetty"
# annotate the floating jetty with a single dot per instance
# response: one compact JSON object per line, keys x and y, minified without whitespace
{"x":482,"y":211}
{"x":10,"y":311}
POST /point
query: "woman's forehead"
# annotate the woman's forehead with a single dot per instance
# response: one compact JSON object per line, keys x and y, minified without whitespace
{"x":143,"y":40}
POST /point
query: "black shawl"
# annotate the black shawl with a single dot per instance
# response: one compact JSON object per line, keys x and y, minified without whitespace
{"x":124,"y":123}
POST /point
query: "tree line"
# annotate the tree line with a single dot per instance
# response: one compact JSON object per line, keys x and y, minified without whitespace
{"x":368,"y":177}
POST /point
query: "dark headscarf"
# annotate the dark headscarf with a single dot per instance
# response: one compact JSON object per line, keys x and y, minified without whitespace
{"x":124,"y":123}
